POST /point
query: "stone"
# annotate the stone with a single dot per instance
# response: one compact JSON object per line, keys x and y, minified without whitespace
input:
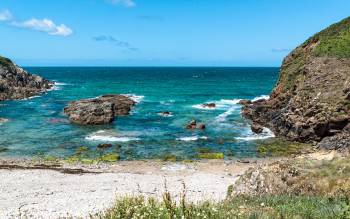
{"x":103,"y":146}
{"x":100,"y":110}
{"x":201,"y":126}
{"x":244,"y":102}
{"x":256,"y":128}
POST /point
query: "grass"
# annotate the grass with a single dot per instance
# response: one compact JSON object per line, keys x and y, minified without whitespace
{"x":278,"y":147}
{"x":5,"y":61}
{"x":283,"y":206}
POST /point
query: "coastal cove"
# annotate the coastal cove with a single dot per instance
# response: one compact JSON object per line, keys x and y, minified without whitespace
{"x":37,"y":126}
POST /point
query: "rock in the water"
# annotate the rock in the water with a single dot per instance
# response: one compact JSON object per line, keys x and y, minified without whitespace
{"x":209,"y":105}
{"x":3,"y":120}
{"x":15,"y":83}
{"x":311,"y":99}
{"x":201,"y":126}
{"x":103,"y":146}
{"x":192,"y":125}
{"x":165,"y":114}
{"x":101,"y":110}
{"x":256,"y":128}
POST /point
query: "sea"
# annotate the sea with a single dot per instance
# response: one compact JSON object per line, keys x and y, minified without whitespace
{"x":37,"y":126}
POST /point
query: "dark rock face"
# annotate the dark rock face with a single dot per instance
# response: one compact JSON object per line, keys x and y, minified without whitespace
{"x":101,"y":110}
{"x":256,"y":128}
{"x":15,"y":83}
{"x":311,"y":99}
{"x":209,"y":105}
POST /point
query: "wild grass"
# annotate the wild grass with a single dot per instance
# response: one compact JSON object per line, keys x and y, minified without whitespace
{"x":238,"y":207}
{"x":278,"y":147}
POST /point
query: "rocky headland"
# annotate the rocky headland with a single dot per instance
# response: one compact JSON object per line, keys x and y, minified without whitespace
{"x":311,"y":101}
{"x":16,"y":83}
{"x":100,"y":110}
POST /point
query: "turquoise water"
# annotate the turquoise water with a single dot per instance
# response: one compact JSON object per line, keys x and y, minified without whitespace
{"x":38,"y":126}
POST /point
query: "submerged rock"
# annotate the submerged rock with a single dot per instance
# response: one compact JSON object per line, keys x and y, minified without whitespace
{"x":101,"y":110}
{"x":311,"y":99}
{"x":16,"y":83}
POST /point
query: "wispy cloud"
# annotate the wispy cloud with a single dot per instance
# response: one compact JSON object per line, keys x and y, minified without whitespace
{"x":42,"y":25}
{"x":5,"y":15}
{"x":119,"y":43}
{"x":125,"y":3}
{"x":280,"y":50}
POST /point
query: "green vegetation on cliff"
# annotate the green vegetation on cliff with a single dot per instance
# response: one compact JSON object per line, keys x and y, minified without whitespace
{"x":334,"y":41}
{"x":5,"y":61}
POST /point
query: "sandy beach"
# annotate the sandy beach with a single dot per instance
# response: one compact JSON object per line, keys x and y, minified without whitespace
{"x":56,"y":191}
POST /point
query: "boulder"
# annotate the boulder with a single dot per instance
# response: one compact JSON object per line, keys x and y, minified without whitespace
{"x":101,"y":110}
{"x":201,"y":126}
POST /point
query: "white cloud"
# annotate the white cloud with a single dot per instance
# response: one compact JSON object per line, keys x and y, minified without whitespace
{"x":44,"y":25}
{"x":5,"y":15}
{"x":126,"y":3}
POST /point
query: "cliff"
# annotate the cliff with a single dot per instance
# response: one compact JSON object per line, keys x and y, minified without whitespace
{"x":15,"y":83}
{"x":311,"y":101}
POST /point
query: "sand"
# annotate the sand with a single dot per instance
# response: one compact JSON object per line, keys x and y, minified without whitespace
{"x":42,"y":192}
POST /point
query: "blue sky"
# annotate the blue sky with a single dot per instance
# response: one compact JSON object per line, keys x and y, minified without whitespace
{"x":160,"y":32}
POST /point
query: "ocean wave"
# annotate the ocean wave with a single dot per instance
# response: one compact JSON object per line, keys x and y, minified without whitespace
{"x":223,"y":104}
{"x":103,"y":135}
{"x":267,"y":133}
{"x":192,"y":138}
{"x":262,"y":97}
{"x":136,"y":98}
{"x":165,"y":115}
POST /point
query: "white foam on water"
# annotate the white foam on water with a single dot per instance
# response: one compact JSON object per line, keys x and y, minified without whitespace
{"x":203,"y":107}
{"x":223,"y":104}
{"x":267,"y":133}
{"x":32,"y":97}
{"x":262,"y":97}
{"x":103,"y":135}
{"x":136,"y":98}
{"x":165,"y":115}
{"x":192,"y":138}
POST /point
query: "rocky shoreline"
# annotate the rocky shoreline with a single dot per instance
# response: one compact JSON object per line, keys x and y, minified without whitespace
{"x":16,"y":83}
{"x":311,"y":101}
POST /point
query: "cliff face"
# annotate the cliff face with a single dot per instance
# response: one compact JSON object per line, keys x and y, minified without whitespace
{"x":15,"y":83}
{"x":311,"y":101}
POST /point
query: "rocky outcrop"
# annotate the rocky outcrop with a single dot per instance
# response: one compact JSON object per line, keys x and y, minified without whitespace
{"x":311,"y":99}
{"x":194,"y":125}
{"x":101,"y":110}
{"x":16,"y":83}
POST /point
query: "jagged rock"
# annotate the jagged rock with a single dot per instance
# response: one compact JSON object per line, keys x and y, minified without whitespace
{"x":340,"y":142}
{"x":244,"y":102}
{"x":311,"y":99}
{"x":256,"y":128}
{"x":101,"y":110}
{"x":16,"y":83}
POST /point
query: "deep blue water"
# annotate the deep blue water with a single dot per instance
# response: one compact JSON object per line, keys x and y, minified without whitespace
{"x":38,"y":126}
